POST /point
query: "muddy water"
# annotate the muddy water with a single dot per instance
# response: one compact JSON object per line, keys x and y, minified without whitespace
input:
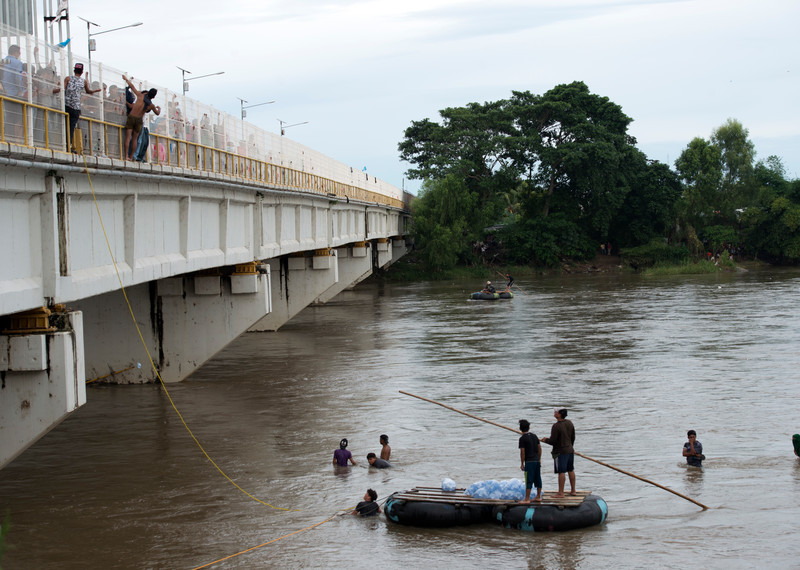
{"x":637,"y":361}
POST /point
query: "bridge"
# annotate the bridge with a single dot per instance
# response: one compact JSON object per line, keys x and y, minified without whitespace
{"x":208,"y":238}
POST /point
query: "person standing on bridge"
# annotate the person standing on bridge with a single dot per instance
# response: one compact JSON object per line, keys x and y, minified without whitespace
{"x":73,"y":88}
{"x":142,"y":105}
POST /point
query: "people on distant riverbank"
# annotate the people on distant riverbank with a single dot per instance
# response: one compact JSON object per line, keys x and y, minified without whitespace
{"x":369,"y":506}
{"x":386,"y":451}
{"x":562,"y":436}
{"x":530,"y":457}
{"x":341,"y":456}
{"x":693,"y":450}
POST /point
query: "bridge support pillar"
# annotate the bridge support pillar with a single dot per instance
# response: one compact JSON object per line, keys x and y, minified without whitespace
{"x":302,"y":280}
{"x":41,"y":382}
{"x":184,"y":321}
{"x":352,"y":271}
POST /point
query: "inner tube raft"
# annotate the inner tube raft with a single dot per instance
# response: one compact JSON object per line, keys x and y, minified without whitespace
{"x":548,"y":518}
{"x":430,"y":514}
{"x":481,"y":296}
{"x":506,"y":295}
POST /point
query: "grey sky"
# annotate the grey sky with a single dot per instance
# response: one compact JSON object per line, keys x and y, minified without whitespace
{"x":360,"y":71}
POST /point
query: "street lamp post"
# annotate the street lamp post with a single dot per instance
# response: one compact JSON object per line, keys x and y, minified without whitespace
{"x":91,"y":44}
{"x":185,"y":81}
{"x":244,"y":113}
{"x":284,"y":126}
{"x":243,"y":101}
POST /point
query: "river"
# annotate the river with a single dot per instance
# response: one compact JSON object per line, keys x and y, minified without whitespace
{"x":636,"y":360}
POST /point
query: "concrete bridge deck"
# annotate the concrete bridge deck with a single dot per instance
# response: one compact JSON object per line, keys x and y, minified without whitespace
{"x":203,"y":256}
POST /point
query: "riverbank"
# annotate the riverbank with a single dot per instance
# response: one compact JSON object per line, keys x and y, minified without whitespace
{"x":408,"y":269}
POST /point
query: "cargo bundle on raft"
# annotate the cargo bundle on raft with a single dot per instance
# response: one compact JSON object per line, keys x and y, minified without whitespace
{"x":433,"y":507}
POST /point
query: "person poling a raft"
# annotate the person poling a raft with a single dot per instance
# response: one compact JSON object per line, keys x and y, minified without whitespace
{"x":699,"y":504}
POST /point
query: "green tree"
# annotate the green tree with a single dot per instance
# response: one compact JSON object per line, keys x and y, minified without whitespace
{"x":443,"y":226}
{"x":571,"y":144}
{"x":649,"y":208}
{"x":700,"y":170}
{"x":737,"y":158}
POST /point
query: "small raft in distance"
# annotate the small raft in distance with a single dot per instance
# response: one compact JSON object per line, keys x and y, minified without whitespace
{"x":481,"y":296}
{"x":432,"y":507}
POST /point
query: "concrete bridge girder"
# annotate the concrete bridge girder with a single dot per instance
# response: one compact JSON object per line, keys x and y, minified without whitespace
{"x":42,"y":381}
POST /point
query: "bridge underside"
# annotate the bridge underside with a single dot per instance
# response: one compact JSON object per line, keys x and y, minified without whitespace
{"x":201,"y":261}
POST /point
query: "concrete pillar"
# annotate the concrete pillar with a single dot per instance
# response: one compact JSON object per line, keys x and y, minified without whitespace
{"x":42,"y":383}
{"x":184,"y":321}
{"x":302,"y":280}
{"x":352,"y":271}
{"x":384,"y":253}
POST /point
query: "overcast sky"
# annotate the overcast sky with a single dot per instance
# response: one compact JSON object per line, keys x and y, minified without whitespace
{"x":360,"y":71}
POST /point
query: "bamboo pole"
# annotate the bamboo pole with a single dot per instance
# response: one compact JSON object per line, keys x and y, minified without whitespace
{"x":576,"y":453}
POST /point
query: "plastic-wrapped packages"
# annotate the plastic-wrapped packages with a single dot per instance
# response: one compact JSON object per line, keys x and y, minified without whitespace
{"x":512,"y":490}
{"x":448,"y":484}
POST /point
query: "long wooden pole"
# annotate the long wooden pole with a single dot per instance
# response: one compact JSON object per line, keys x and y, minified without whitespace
{"x":517,"y":286}
{"x":576,"y":453}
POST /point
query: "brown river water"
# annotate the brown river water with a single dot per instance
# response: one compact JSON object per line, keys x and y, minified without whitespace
{"x":637,"y":361}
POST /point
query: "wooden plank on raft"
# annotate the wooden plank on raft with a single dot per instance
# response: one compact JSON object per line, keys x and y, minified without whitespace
{"x":436,"y":495}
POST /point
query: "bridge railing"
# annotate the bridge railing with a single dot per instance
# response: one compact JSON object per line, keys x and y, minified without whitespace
{"x":187,"y":134}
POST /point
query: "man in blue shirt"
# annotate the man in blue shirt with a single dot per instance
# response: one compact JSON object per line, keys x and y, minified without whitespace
{"x":13,"y":84}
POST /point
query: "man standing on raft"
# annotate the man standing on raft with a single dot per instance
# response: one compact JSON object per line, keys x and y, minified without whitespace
{"x":562,"y":436}
{"x":530,"y":456}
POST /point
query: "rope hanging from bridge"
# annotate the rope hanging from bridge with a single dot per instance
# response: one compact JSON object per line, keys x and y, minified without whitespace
{"x":150,"y":357}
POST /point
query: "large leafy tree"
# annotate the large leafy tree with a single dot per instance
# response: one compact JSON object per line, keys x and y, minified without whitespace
{"x":443,"y":226}
{"x":649,"y":207}
{"x":572,"y":148}
{"x":700,"y":170}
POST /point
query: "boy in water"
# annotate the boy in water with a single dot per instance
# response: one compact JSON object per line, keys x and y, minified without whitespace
{"x":341,"y":456}
{"x":386,"y":451}
{"x":369,"y":506}
{"x":693,"y":450}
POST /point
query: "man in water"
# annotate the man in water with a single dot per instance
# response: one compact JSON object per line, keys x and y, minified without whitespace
{"x":369,"y":506}
{"x":530,"y":457}
{"x":375,"y":461}
{"x":693,"y":450}
{"x":386,"y":451}
{"x":562,"y":436}
{"x":341,"y":456}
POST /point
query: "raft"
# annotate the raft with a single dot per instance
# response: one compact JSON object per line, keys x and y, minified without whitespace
{"x":481,"y":296}
{"x":432,"y":507}
{"x":548,"y":518}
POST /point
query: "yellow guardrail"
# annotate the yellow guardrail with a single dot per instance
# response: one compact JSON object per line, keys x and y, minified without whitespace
{"x":107,"y":139}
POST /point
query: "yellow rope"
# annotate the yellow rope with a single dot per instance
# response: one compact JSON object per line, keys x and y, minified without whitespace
{"x":267,"y":543}
{"x":149,"y":356}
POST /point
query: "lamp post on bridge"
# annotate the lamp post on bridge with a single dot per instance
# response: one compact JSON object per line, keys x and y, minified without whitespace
{"x":185,"y":82}
{"x":244,"y":113}
{"x":92,"y":45}
{"x":284,"y":126}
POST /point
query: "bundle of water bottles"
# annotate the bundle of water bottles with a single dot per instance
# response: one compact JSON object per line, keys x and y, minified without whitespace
{"x":511,"y":490}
